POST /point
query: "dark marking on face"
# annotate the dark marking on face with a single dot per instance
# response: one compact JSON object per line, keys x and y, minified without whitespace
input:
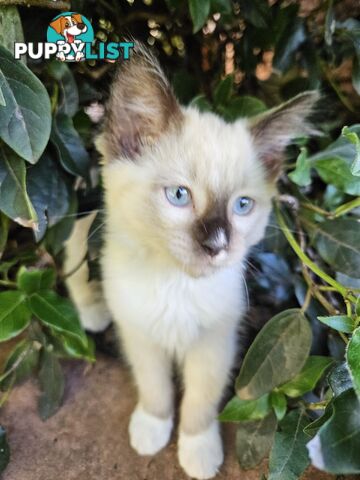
{"x":212,"y":231}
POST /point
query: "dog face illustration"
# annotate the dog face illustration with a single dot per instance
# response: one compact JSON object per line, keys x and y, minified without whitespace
{"x":69,"y":26}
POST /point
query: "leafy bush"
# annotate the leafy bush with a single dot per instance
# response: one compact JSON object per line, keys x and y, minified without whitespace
{"x":300,"y":379}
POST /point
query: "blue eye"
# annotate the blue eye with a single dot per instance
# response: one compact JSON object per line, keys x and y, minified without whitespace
{"x":243,"y":205}
{"x":178,"y":196}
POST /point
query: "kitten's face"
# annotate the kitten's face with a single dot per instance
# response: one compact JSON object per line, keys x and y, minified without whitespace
{"x":198,"y":197}
{"x":183,"y":186}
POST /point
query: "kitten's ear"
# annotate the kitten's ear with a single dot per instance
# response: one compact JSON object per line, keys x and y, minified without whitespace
{"x":274,"y":130}
{"x":140,"y":108}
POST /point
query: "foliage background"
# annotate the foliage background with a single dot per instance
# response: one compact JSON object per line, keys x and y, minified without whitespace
{"x":237,"y":58}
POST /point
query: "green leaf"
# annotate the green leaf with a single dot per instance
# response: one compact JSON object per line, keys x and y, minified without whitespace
{"x":339,"y":379}
{"x":254,"y":439}
{"x":60,"y":232}
{"x":353,"y":359}
{"x":288,"y":456}
{"x":57,"y":313}
{"x":244,"y":106}
{"x":4,"y":450}
{"x":49,"y":192}
{"x":32,"y":281}
{"x":69,"y":95}
{"x":68,"y":346}
{"x":336,"y":446}
{"x":223,"y":91}
{"x":201,"y":103}
{"x":14,"y":198}
{"x":25,"y":121}
{"x":312,"y":428}
{"x":279,"y":404}
{"x":69,"y":146}
{"x":52,"y":383}
{"x":302,"y":173}
{"x":330,"y":24}
{"x":237,"y":410}
{"x":354,"y":139}
{"x":277,"y":354}
{"x":334,"y":163}
{"x":14,"y":314}
{"x":338,"y":243}
{"x":341,"y":323}
{"x":199,"y":11}
{"x":308,"y":377}
{"x":221,"y":6}
{"x":11,"y":29}
{"x":25,"y":356}
{"x":288,"y":43}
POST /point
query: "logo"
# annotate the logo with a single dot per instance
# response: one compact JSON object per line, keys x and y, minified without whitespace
{"x":70,"y":37}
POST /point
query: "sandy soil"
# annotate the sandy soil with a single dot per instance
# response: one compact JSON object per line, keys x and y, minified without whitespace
{"x":87,"y":439}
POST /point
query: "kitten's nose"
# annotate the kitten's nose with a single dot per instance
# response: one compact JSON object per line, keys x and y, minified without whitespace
{"x":216,"y":242}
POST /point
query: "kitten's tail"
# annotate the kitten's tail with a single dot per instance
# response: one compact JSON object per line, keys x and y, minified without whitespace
{"x":86,"y":295}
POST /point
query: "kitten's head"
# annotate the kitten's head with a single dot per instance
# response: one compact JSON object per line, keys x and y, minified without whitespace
{"x":188,"y":187}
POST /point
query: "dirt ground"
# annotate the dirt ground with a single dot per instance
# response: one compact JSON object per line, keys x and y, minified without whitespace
{"x":87,"y":439}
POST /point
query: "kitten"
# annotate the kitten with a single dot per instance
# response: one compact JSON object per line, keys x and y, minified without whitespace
{"x":186,"y":196}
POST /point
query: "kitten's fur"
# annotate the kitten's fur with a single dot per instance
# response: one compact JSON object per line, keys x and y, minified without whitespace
{"x":170,"y":299}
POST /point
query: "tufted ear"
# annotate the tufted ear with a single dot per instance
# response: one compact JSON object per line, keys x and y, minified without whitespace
{"x":273,"y":130}
{"x":140,"y":108}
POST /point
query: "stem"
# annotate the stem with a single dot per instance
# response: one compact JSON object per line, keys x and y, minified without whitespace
{"x":346,"y":207}
{"x":315,"y":208}
{"x":307,"y":300}
{"x":7,"y":283}
{"x":305,"y":259}
{"x":316,"y":405}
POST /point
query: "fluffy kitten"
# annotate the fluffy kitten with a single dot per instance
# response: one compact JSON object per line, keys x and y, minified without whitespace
{"x":186,"y":195}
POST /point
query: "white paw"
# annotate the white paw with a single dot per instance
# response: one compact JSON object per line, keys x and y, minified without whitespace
{"x":201,"y":455}
{"x":148,"y":434}
{"x":94,"y":317}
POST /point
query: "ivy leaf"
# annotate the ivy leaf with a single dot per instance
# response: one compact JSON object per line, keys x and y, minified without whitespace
{"x":31,"y":281}
{"x":308,"y":377}
{"x":353,"y":138}
{"x":14,"y":198}
{"x":69,"y":98}
{"x":336,"y":446}
{"x":14,"y":314}
{"x":52,"y":383}
{"x":201,"y":103}
{"x":237,"y":410}
{"x":277,"y":354}
{"x":48,"y":191}
{"x":289,"y":456}
{"x":199,"y":11}
{"x":353,"y":359}
{"x":240,"y":107}
{"x":221,"y":6}
{"x":25,"y":356}
{"x":341,"y":323}
{"x":69,"y":146}
{"x":223,"y":91}
{"x":339,"y":379}
{"x":338,"y":243}
{"x":4,"y":231}
{"x":254,"y":439}
{"x":4,"y":450}
{"x":279,"y":404}
{"x":25,"y":120}
{"x":57,"y":313}
{"x":334,"y":163}
{"x":302,"y":173}
{"x":68,"y":346}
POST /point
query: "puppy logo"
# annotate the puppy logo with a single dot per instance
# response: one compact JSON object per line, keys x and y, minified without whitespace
{"x":70,"y":31}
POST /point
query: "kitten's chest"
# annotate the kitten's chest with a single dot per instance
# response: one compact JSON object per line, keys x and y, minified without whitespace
{"x":171,"y":308}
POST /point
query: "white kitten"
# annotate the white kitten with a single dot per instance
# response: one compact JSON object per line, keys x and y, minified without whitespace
{"x":186,"y":195}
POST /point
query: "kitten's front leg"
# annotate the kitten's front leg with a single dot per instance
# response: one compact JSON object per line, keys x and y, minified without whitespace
{"x":206,"y":370}
{"x":152,"y":420}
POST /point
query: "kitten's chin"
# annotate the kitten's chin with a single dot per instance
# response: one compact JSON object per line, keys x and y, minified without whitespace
{"x":207,"y":266}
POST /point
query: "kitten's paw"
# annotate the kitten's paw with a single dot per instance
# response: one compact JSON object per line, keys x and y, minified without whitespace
{"x":148,"y":434}
{"x":94,"y":317}
{"x":201,"y":455}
